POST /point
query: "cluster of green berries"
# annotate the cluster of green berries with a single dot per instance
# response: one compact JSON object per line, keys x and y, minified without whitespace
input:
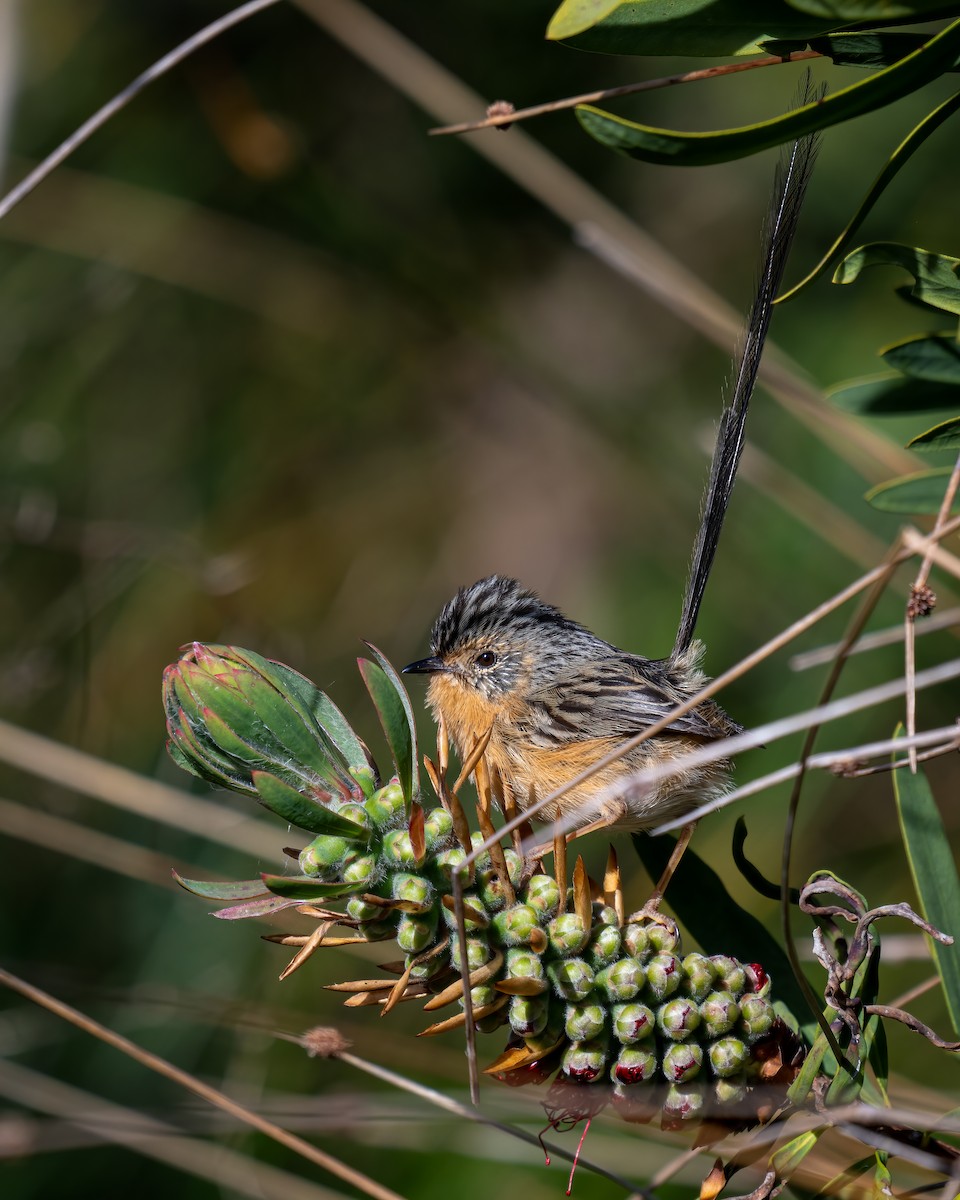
{"x":602,"y":1000}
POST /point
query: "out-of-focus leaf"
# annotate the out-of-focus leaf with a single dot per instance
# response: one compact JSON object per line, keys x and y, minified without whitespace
{"x":303,"y":811}
{"x":877,"y":49}
{"x":702,"y":902}
{"x":894,"y":396}
{"x":801,"y":1087}
{"x":921,"y":493}
{"x":678,"y":148}
{"x":299,"y":887}
{"x":934,"y":356}
{"x":789,"y":1156}
{"x":693,"y":27}
{"x":945,"y":436}
{"x":846,"y":1176}
{"x":399,"y":724}
{"x":244,"y":889}
{"x":874,"y":10}
{"x":934,"y":875}
{"x":935,"y":278}
{"x":574,"y":16}
{"x":911,"y":143}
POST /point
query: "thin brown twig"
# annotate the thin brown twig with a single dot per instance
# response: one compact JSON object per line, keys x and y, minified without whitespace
{"x":122,"y":99}
{"x":626,"y":89}
{"x":167,"y":1069}
{"x":891,"y":636}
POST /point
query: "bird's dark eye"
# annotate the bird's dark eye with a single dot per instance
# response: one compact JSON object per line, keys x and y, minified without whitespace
{"x":486,"y":659}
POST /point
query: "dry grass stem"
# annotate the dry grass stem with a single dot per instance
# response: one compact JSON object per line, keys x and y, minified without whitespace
{"x":891,"y":636}
{"x":626,"y":89}
{"x":161,"y":1066}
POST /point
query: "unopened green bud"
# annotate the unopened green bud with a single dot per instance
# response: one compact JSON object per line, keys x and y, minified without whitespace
{"x":719,"y":1013}
{"x":474,"y":915}
{"x":491,"y":889}
{"x":604,"y":948}
{"x":447,"y":861}
{"x":478,"y":953}
{"x":584,"y":1021}
{"x":572,"y":978}
{"x":543,"y":894}
{"x":604,"y":914}
{"x":663,"y":939}
{"x":543,"y":1043}
{"x":398,"y":849}
{"x":730,"y":974}
{"x":481,"y":864}
{"x":585,"y":1062}
{"x":678,"y":1019}
{"x":515,"y":925}
{"x":622,"y":981}
{"x":425,"y":970}
{"x":757,"y":1017}
{"x":379,"y":931}
{"x":438,"y":829}
{"x":632,"y":1022}
{"x":524,"y":964}
{"x":728,"y":1056}
{"x":360,"y":870}
{"x":758,"y":981}
{"x":324,"y":854}
{"x":682,"y":1061}
{"x":386,"y":806}
{"x":683,"y":1103}
{"x":352,"y":811}
{"x":732,"y":1090}
{"x":413,"y":889}
{"x":664,"y":972}
{"x":415,"y":933}
{"x":362,"y":910}
{"x":528,"y":1015}
{"x":492,"y":1021}
{"x":634,"y":1065}
{"x":514,"y":866}
{"x":366,"y":778}
{"x":635,"y":940}
{"x":567,"y":934}
{"x":699,"y":976}
{"x":482,"y":995}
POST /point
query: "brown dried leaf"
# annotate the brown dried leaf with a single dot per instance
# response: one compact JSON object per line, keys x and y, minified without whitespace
{"x":455,"y":990}
{"x":459,"y":1019}
{"x":518,"y":1056}
{"x":582,"y":903}
{"x":714,"y":1183}
{"x":521,"y":987}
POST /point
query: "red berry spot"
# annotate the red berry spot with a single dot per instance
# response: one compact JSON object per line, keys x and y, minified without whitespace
{"x":630,"y":1074}
{"x":582,"y":1074}
{"x":760,"y":978}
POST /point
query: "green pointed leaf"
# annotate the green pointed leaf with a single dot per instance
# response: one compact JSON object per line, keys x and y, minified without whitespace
{"x":685,"y":27}
{"x":935,"y":278}
{"x":847,"y":1176}
{"x":788,"y":1157}
{"x":330,"y":720}
{"x":894,"y":396}
{"x":678,"y":148}
{"x":299,"y":887}
{"x":574,"y":16}
{"x":921,"y":493}
{"x":702,"y":902}
{"x":934,"y":875}
{"x":945,"y":436}
{"x":874,"y":10}
{"x":244,"y":889}
{"x":182,"y":760}
{"x":208,"y":762}
{"x":399,"y":726}
{"x":303,"y":811}
{"x":876,"y":49}
{"x":934,"y":356}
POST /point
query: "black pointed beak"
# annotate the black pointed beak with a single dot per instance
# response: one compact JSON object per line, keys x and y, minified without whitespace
{"x":425,"y":666}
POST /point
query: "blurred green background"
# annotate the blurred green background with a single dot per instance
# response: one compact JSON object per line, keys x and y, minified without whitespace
{"x":281,"y":371}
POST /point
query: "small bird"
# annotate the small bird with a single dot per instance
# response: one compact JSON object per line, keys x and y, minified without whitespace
{"x":554,"y":697}
{"x":557,"y":698}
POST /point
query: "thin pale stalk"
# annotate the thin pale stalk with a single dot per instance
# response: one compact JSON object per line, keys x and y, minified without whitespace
{"x":891,"y":636}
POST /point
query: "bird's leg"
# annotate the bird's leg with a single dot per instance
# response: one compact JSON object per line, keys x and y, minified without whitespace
{"x":651,"y":910}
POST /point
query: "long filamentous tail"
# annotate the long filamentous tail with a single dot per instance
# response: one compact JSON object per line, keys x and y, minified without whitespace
{"x":790,"y":185}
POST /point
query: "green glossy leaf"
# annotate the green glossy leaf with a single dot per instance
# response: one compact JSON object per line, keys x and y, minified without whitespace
{"x":244,"y":889}
{"x":894,"y":396}
{"x":874,"y":10}
{"x":945,"y":436}
{"x":574,"y":16}
{"x":209,"y":763}
{"x":303,"y":811}
{"x":299,"y":887}
{"x":402,"y":742}
{"x":692,"y":27}
{"x":702,"y":902}
{"x":877,"y":49}
{"x":802,"y":1086}
{"x":910,"y":144}
{"x":182,"y":760}
{"x":935,"y":278}
{"x":847,"y":1176}
{"x":934,"y":875}
{"x":328,"y":717}
{"x":695,"y":149}
{"x":921,"y":493}
{"x":934,"y":356}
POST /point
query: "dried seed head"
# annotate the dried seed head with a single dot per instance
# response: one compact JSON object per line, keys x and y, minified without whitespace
{"x":324,"y":1042}
{"x":501,"y":108}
